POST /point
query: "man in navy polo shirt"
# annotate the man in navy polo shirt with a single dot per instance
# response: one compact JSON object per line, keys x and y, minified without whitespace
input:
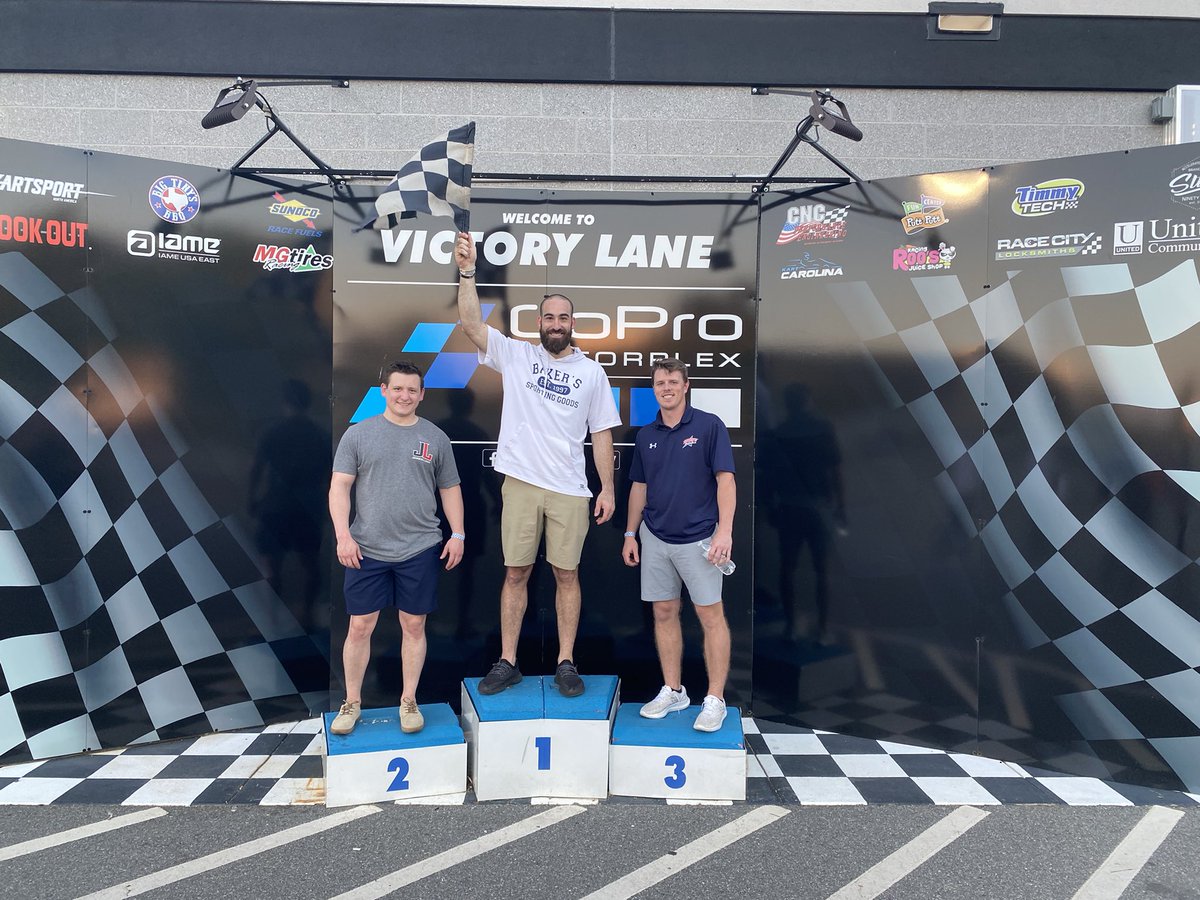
{"x":682,"y":491}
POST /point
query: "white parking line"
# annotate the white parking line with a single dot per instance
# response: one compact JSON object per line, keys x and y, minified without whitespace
{"x":912,"y":855}
{"x":229,"y":855}
{"x":381,"y":887}
{"x":74,"y":834}
{"x":666,"y":866}
{"x":1115,"y":874}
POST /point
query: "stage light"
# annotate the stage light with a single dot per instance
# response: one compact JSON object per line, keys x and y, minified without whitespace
{"x":949,"y":21}
{"x":232,"y":103}
{"x":827,"y":118}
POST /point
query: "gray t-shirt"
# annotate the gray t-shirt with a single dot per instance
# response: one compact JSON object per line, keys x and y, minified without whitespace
{"x":397,"y":468}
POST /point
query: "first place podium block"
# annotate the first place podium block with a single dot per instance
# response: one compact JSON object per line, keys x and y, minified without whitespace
{"x":530,"y":741}
{"x":378,"y":762}
{"x":669,"y":758}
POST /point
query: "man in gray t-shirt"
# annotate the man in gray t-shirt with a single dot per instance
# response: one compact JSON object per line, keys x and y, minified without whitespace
{"x":396,"y":462}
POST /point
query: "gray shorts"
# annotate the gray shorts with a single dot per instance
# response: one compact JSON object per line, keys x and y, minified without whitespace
{"x":666,"y":567}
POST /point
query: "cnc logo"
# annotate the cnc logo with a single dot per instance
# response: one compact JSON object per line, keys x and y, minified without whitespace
{"x":1046,"y":245}
{"x":813,"y":224}
{"x":174,"y":199}
{"x":1127,"y":238}
{"x":183,"y":248}
{"x":911,"y":258}
{"x":294,"y":259}
{"x":61,"y":191}
{"x":35,"y":230}
{"x":809,"y":266}
{"x":298,"y":214}
{"x":1047,"y":197}
{"x":922,"y":214}
{"x":1185,"y":186}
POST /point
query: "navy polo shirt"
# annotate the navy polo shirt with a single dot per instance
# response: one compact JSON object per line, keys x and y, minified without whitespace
{"x":679,"y":467}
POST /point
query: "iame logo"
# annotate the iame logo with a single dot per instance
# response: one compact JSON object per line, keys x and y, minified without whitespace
{"x":1185,"y":186}
{"x":1048,"y":197}
{"x":174,"y":199}
{"x":922,"y":214}
{"x":1128,"y":237}
{"x":813,"y":224}
{"x":187,"y":248}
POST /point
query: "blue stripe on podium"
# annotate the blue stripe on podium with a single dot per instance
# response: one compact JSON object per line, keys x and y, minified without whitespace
{"x":594,"y":703}
{"x":379,"y":729}
{"x":675,"y":730}
{"x":522,"y":701}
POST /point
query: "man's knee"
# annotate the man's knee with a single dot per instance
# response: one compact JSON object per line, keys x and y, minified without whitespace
{"x":665,"y":611}
{"x":517,"y":576}
{"x":565,"y":577}
{"x":361,"y":627}
{"x":712,"y":617}
{"x":412,"y":626}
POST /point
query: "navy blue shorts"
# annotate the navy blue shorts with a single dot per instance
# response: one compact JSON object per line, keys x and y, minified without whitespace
{"x":410,"y":586}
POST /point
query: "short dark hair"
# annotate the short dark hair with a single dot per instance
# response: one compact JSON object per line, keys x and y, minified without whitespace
{"x":545,"y":297}
{"x":671,"y":364}
{"x":403,"y":368}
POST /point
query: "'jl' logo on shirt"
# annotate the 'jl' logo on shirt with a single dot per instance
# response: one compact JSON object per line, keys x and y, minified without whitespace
{"x":423,"y":453}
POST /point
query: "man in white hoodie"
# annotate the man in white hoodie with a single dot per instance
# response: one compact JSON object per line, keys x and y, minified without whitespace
{"x":554,"y":396}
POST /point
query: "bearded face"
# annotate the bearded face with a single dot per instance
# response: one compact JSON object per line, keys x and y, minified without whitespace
{"x":554,"y":327}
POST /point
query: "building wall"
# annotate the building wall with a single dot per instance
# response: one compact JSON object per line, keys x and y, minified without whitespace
{"x":594,"y":130}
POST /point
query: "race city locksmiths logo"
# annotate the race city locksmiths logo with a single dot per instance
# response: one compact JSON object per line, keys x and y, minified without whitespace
{"x":295,"y":259}
{"x":179,"y":247}
{"x":1185,"y":185}
{"x":813,"y":224}
{"x":298,"y":214}
{"x":1047,"y":245}
{"x":174,"y":199}
{"x":922,"y":214}
{"x":809,"y":266}
{"x":1047,"y":197}
{"x":911,"y":258}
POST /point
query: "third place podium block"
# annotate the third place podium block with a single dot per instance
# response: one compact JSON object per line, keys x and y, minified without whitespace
{"x":530,"y":741}
{"x":377,"y":761}
{"x":669,"y":758}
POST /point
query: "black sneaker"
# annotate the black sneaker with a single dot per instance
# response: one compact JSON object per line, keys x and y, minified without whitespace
{"x":568,"y":680}
{"x":502,"y":675}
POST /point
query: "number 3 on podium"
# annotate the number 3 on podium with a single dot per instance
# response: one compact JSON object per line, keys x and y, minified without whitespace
{"x":678,"y":779}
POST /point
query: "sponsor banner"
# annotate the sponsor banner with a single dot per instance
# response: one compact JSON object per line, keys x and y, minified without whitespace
{"x":301,"y":215}
{"x":809,"y":266}
{"x":815,"y":223}
{"x":1049,"y":245}
{"x":1166,"y":235}
{"x":294,"y":259}
{"x":912,"y":258}
{"x":60,"y":191}
{"x":923,"y":214}
{"x":174,"y":199}
{"x":1185,"y":184}
{"x":180,"y":247}
{"x":38,"y":230}
{"x":1047,"y":197}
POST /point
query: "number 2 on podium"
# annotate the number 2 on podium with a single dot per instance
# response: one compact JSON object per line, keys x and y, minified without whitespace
{"x":678,"y":779}
{"x":399,"y":765}
{"x":543,"y":751}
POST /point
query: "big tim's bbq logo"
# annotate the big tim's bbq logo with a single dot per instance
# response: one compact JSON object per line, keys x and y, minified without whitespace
{"x":1185,"y":185}
{"x":1047,"y":197}
{"x":174,"y":199}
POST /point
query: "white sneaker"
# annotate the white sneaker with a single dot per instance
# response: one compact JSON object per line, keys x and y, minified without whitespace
{"x":712,"y":714}
{"x":666,"y":701}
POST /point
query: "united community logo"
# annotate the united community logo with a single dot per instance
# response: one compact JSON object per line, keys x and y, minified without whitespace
{"x":174,"y":199}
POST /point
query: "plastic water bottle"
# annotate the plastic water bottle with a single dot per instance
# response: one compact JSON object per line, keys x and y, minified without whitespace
{"x":726,"y":567}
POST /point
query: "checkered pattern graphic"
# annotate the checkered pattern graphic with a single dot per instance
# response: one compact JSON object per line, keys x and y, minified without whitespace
{"x":1063,"y":408}
{"x":436,"y":181}
{"x":133,"y":611}
{"x":1094,"y":246}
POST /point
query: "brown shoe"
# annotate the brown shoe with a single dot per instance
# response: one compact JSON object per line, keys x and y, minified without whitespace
{"x":411,"y":720}
{"x":347,"y":717}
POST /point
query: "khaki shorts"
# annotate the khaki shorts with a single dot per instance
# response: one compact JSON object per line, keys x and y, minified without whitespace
{"x":528,"y":511}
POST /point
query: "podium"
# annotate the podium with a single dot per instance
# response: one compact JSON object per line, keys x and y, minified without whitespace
{"x":669,"y":758}
{"x":378,"y":762}
{"x":530,"y":741}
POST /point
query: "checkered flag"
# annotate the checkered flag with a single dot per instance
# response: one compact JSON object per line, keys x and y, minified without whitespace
{"x":436,"y":181}
{"x":1095,"y":245}
{"x":832,"y":216}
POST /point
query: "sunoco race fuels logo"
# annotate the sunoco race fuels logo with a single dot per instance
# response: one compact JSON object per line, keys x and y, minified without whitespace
{"x":174,"y":200}
{"x":813,"y":224}
{"x":298,"y":214}
{"x":1048,"y":197}
{"x":1185,"y":186}
{"x":186,"y":248}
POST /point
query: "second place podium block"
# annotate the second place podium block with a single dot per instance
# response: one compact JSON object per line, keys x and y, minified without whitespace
{"x":530,"y":741}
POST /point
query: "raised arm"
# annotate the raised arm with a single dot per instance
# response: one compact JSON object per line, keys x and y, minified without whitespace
{"x":469,"y":313}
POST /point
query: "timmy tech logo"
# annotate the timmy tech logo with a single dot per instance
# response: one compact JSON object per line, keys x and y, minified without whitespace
{"x":174,"y":199}
{"x":422,"y":453}
{"x":691,"y":441}
{"x":1048,"y":197}
{"x":922,"y":214}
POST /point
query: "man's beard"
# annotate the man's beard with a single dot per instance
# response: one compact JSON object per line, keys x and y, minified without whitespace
{"x":555,"y":343}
